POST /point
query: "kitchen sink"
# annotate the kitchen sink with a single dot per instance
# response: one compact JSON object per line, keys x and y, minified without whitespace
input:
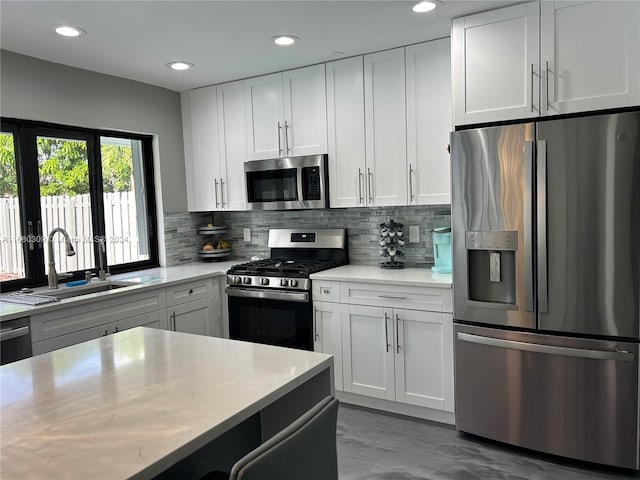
{"x":68,"y":292}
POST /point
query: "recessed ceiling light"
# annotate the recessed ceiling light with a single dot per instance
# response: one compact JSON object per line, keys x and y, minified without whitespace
{"x":69,"y":31}
{"x":425,"y":6}
{"x":179,"y":65}
{"x":284,"y":40}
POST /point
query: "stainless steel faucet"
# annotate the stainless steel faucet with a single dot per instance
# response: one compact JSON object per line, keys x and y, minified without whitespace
{"x":52,"y":276}
{"x":102,"y":255}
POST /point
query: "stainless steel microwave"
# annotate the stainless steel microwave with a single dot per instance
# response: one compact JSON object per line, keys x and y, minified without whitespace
{"x":287,"y":183}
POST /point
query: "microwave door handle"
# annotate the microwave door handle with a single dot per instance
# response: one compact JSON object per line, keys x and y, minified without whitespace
{"x":299,"y":184}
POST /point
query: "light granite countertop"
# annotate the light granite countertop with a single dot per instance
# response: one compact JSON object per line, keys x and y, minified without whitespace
{"x":150,"y":278}
{"x":133,"y":403}
{"x":417,"y":277}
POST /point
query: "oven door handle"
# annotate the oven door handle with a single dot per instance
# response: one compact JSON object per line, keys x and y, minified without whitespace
{"x":268,"y":294}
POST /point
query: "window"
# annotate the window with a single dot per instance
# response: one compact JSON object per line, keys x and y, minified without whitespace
{"x":96,"y":185}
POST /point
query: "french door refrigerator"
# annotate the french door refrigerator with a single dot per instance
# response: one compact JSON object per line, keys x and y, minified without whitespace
{"x":546,"y":274}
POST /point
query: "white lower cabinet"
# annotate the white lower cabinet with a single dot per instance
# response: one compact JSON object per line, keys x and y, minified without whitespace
{"x":392,"y":344}
{"x":195,"y":307}
{"x":191,"y":307}
{"x":327,"y":335}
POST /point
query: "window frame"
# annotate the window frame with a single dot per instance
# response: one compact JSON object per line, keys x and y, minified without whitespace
{"x":25,"y":133}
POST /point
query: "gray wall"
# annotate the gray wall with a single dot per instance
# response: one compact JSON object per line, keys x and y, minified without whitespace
{"x":34,"y":89}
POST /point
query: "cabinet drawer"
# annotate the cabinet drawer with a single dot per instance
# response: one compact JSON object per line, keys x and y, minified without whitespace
{"x":189,"y":292}
{"x":397,"y":296}
{"x":326,"y":291}
{"x":95,"y":313}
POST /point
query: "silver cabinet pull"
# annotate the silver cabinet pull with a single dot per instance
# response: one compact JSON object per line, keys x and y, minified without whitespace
{"x":279,"y":143}
{"x":369,"y":176}
{"x":397,"y":333}
{"x":386,"y":331}
{"x":286,"y":137}
{"x":221,"y":192}
{"x":215,"y":190}
{"x":315,"y":324}
{"x":30,"y":234}
{"x":410,"y":182}
{"x":532,"y":88}
{"x":360,"y":197}
{"x":547,"y":82}
{"x":326,"y":291}
{"x":387,"y":295}
{"x":541,"y":181}
{"x":106,"y":332}
{"x":528,"y":226}
{"x":172,"y":326}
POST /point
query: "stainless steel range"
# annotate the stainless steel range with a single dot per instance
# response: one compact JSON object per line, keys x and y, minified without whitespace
{"x":270,"y":300}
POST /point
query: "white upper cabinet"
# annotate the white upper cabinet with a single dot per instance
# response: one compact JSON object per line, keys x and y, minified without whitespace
{"x":385,"y":128}
{"x":545,"y":58}
{"x":202,"y":158}
{"x":428,"y":78}
{"x":495,"y":65}
{"x":233,"y":144}
{"x":286,"y":114}
{"x":346,"y":132}
{"x":590,"y":55}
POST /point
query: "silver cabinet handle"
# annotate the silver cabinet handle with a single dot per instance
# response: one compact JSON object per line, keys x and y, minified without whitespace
{"x":386,"y":331}
{"x":315,"y":324}
{"x":279,"y":143}
{"x":547,"y":82}
{"x":106,"y":332}
{"x":624,"y":356}
{"x":528,"y":226}
{"x":221,"y":192}
{"x":360,"y":197}
{"x":286,"y":137}
{"x":386,"y":295}
{"x":532,"y":88}
{"x":116,"y":330}
{"x":172,"y":325}
{"x":541,"y":181}
{"x":215,"y":190}
{"x":410,"y":182}
{"x":369,"y":176}
{"x":326,"y":291}
{"x":397,"y":333}
{"x":30,"y":234}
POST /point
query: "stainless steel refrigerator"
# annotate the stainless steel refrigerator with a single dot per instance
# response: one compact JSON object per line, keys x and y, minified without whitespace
{"x":546,"y":274}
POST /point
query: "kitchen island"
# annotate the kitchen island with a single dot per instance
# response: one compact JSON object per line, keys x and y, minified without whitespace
{"x":138,"y":403}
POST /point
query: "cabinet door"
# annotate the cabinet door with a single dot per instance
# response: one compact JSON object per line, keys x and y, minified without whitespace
{"x":201,"y":155}
{"x":367,"y":359}
{"x":157,"y":319}
{"x":193,"y":317}
{"x":265,"y":117}
{"x":305,"y":108}
{"x":386,"y":133}
{"x":327,"y":335}
{"x":232,"y":127}
{"x":495,"y":65}
{"x":424,"y":358}
{"x":428,"y":122}
{"x":345,"y":120}
{"x":589,"y":55}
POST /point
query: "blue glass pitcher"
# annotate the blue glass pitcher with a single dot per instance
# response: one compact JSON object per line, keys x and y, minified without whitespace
{"x":441,"y":250}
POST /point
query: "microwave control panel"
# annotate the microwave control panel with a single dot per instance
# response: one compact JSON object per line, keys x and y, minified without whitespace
{"x":311,"y":183}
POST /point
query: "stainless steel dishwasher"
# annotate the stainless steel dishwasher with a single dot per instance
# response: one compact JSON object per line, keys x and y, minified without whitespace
{"x":15,"y":340}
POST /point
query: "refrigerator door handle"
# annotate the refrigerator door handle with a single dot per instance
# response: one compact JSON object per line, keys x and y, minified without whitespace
{"x":541,"y":182}
{"x":548,"y":349}
{"x":527,"y":228}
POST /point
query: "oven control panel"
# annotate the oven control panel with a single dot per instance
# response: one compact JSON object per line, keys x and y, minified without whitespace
{"x":269,"y":282}
{"x":309,"y":237}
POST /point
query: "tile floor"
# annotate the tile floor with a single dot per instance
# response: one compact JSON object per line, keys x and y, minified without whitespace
{"x":377,"y":446}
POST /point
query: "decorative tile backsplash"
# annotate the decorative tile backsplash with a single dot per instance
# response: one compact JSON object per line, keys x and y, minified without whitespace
{"x":362,"y":224}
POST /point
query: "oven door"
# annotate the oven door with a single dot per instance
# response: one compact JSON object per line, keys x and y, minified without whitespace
{"x":280,"y":318}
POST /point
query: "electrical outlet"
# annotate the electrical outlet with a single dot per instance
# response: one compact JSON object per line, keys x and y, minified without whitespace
{"x":414,"y":233}
{"x":247,"y":234}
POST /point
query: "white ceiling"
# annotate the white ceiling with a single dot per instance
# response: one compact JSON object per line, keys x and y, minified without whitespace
{"x":225,"y":40}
